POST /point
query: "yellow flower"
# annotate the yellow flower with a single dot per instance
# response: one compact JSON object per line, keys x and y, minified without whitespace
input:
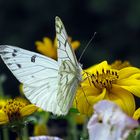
{"x":80,"y":119}
{"x":2,"y":103}
{"x":21,"y":89}
{"x":40,"y":129}
{"x":103,"y":82}
{"x":118,"y":64}
{"x":49,"y":47}
{"x":15,"y":109}
{"x":136,"y":114}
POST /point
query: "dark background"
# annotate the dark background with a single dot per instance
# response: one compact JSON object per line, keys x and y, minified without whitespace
{"x":117,"y":23}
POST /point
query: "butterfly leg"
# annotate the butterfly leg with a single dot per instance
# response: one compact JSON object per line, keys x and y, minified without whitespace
{"x":84,"y":94}
{"x":75,"y":102}
{"x":88,"y":76}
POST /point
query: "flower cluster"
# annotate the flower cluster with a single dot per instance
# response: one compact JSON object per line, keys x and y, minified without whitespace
{"x":118,"y":82}
{"x":106,"y":94}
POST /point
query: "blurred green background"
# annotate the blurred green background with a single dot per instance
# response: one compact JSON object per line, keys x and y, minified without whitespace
{"x":117,"y":23}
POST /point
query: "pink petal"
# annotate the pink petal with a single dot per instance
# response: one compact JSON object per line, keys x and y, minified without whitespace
{"x":109,"y":122}
{"x":45,"y":138}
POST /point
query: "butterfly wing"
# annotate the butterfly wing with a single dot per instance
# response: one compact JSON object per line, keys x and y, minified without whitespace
{"x":67,"y":85}
{"x":64,"y":50}
{"x":69,"y":75}
{"x":37,"y":73}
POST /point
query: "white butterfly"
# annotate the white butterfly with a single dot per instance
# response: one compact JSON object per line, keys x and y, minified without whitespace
{"x":49,"y":84}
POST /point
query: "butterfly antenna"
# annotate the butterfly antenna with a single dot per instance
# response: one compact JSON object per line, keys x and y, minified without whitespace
{"x":87,"y":46}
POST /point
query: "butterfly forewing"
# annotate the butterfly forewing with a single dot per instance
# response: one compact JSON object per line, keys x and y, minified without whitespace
{"x":64,"y":50}
{"x":28,"y":67}
{"x":38,"y":74}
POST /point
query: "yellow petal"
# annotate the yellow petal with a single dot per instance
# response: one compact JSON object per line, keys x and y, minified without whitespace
{"x":94,"y":99}
{"x":128,"y":71}
{"x":41,"y":47}
{"x":28,"y":110}
{"x":2,"y":103}
{"x":47,"y":41}
{"x":98,"y":67}
{"x":118,"y":64}
{"x":75,"y":44}
{"x":133,"y":89}
{"x":82,"y":108}
{"x":135,"y":76}
{"x":123,"y":98}
{"x":128,"y":82}
{"x":40,"y":129}
{"x":39,"y":43}
{"x":46,"y":47}
{"x":55,"y":43}
{"x":3,"y":117}
{"x":80,"y":118}
{"x":21,"y":89}
{"x":136,"y":115}
{"x":131,"y":85}
{"x":87,"y":97}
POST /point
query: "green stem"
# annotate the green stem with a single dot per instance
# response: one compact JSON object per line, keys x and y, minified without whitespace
{"x":5,"y":134}
{"x":25,"y":133}
{"x":22,"y":133}
{"x":19,"y":134}
{"x":73,"y":128}
{"x":1,"y":90}
{"x":2,"y":79}
{"x":85,"y":131}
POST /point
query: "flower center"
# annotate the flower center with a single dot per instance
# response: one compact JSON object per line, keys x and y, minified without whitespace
{"x":105,"y":79}
{"x":12,"y":109}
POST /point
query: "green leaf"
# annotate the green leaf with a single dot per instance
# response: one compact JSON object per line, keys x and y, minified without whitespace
{"x":74,"y":110}
{"x":131,"y":137}
{"x":137,"y":135}
{"x":134,"y":135}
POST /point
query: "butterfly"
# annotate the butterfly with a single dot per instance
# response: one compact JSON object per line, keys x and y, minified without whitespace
{"x":49,"y":84}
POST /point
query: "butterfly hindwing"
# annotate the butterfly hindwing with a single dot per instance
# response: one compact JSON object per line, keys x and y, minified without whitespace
{"x":68,"y":83}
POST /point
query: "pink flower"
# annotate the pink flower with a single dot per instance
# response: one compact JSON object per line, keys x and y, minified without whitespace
{"x":109,"y":122}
